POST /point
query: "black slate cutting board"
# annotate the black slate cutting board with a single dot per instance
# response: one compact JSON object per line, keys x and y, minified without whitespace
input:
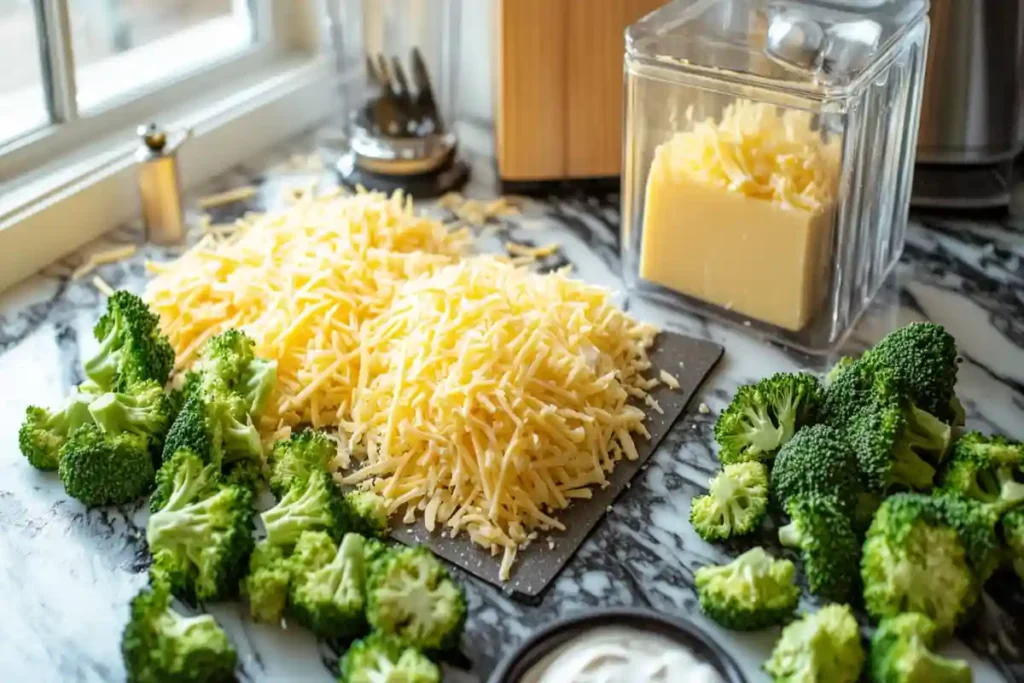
{"x":689,"y":360}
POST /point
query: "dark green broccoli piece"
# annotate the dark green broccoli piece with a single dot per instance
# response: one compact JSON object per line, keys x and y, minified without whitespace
{"x":132,"y":348}
{"x":816,"y":462}
{"x":230,"y":357}
{"x":922,"y":358}
{"x":828,"y":544}
{"x":865,"y":509}
{"x":295,"y":458}
{"x":824,"y":646}
{"x":1012,"y":526}
{"x":897,"y":444}
{"x":142,"y":408}
{"x":764,"y":416}
{"x":330,"y":599}
{"x":368,"y":513}
{"x":753,"y":591}
{"x":318,"y":505}
{"x":987,"y":469}
{"x":105,"y":469}
{"x":267,"y":583}
{"x":43,"y":433}
{"x":410,"y":595}
{"x":901,"y":653}
{"x":202,"y":537}
{"x":160,"y":645}
{"x":928,"y":554}
{"x":213,"y":424}
{"x":736,"y":502}
{"x":380,"y":657}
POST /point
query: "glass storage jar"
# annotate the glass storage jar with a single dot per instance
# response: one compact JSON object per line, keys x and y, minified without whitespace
{"x":769,"y":151}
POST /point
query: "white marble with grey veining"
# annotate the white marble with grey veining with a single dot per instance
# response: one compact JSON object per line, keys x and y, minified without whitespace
{"x":67,"y":573}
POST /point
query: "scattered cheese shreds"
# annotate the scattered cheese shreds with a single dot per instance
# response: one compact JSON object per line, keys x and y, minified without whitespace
{"x":516,"y":249}
{"x":230,"y":196}
{"x":670,"y":381}
{"x":101,"y":284}
{"x":301,"y":282}
{"x":493,"y":396}
{"x":100,"y":258}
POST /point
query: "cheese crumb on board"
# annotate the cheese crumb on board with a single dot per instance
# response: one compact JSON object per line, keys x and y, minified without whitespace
{"x":670,"y":381}
{"x":301,"y":282}
{"x":493,"y":397}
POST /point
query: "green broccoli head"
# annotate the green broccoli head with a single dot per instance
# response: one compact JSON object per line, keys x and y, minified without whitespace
{"x":380,"y":657}
{"x":764,"y":416}
{"x":267,"y":583}
{"x":132,"y":348}
{"x":816,"y":462}
{"x":901,"y":653}
{"x":753,"y":591}
{"x":837,"y":369}
{"x":897,"y":444}
{"x":929,"y":555}
{"x":1012,"y":526}
{"x":230,"y":357}
{"x":105,"y":469}
{"x":201,"y":540}
{"x":295,"y":458}
{"x":410,"y":595}
{"x":160,"y":645}
{"x":317,"y":505}
{"x":43,"y":433}
{"x":987,"y":469}
{"x":142,"y":408}
{"x":368,"y":513}
{"x":241,"y":438}
{"x":330,"y":599}
{"x":824,"y":646}
{"x":213,"y":423}
{"x":830,"y":548}
{"x":923,"y":359}
{"x":736,"y":502}
{"x":185,"y":476}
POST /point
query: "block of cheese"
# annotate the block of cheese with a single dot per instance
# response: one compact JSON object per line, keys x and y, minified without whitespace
{"x":738,"y":213}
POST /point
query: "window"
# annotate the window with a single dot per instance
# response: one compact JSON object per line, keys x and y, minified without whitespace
{"x":79,"y":76}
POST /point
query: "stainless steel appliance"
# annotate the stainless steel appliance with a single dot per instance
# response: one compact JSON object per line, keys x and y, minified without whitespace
{"x":971,"y":115}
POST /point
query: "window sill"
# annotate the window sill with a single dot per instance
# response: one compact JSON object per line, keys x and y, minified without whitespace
{"x":75,"y":199}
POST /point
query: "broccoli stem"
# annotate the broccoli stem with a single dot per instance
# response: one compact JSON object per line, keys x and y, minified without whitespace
{"x":764,"y":435}
{"x":188,"y":525}
{"x":177,"y":626}
{"x":102,"y":367}
{"x":910,"y":469}
{"x":927,"y":435}
{"x":790,"y":536}
{"x":1010,"y":490}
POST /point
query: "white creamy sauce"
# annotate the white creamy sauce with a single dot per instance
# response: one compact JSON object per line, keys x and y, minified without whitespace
{"x":614,"y":654}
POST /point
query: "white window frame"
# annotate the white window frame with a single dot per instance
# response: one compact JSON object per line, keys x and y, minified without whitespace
{"x":63,"y":185}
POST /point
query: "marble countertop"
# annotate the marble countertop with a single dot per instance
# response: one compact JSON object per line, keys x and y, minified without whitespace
{"x":67,"y":573}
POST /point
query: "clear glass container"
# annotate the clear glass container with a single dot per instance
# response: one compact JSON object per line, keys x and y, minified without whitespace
{"x":769,"y":152}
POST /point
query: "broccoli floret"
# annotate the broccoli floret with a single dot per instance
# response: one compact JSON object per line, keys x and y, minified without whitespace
{"x":142,"y":408}
{"x":923,"y":360}
{"x":816,"y":462}
{"x":1012,"y":526}
{"x":160,"y":645}
{"x":753,"y":591}
{"x":330,"y":600}
{"x":901,"y":653}
{"x":838,"y":368}
{"x":824,"y":646}
{"x":373,"y":550}
{"x":294,"y":459}
{"x":132,"y":348}
{"x":929,"y":555}
{"x":201,"y":538}
{"x":896,"y":443}
{"x":735,"y":504}
{"x":987,"y":469}
{"x":827,"y":542}
{"x":105,"y":469}
{"x":380,"y":658}
{"x":185,"y":475}
{"x":318,"y":505}
{"x":43,"y":433}
{"x":410,"y":595}
{"x":368,"y":513}
{"x":764,"y":416}
{"x":230,"y":358}
{"x":213,"y":423}
{"x":267,"y":583}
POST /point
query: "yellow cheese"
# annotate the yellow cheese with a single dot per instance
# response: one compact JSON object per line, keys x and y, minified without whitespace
{"x":492,"y":396}
{"x":739,"y":213}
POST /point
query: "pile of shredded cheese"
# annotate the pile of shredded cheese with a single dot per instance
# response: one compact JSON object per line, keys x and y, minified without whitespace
{"x":490,"y":397}
{"x":301,"y":282}
{"x":758,"y":152}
